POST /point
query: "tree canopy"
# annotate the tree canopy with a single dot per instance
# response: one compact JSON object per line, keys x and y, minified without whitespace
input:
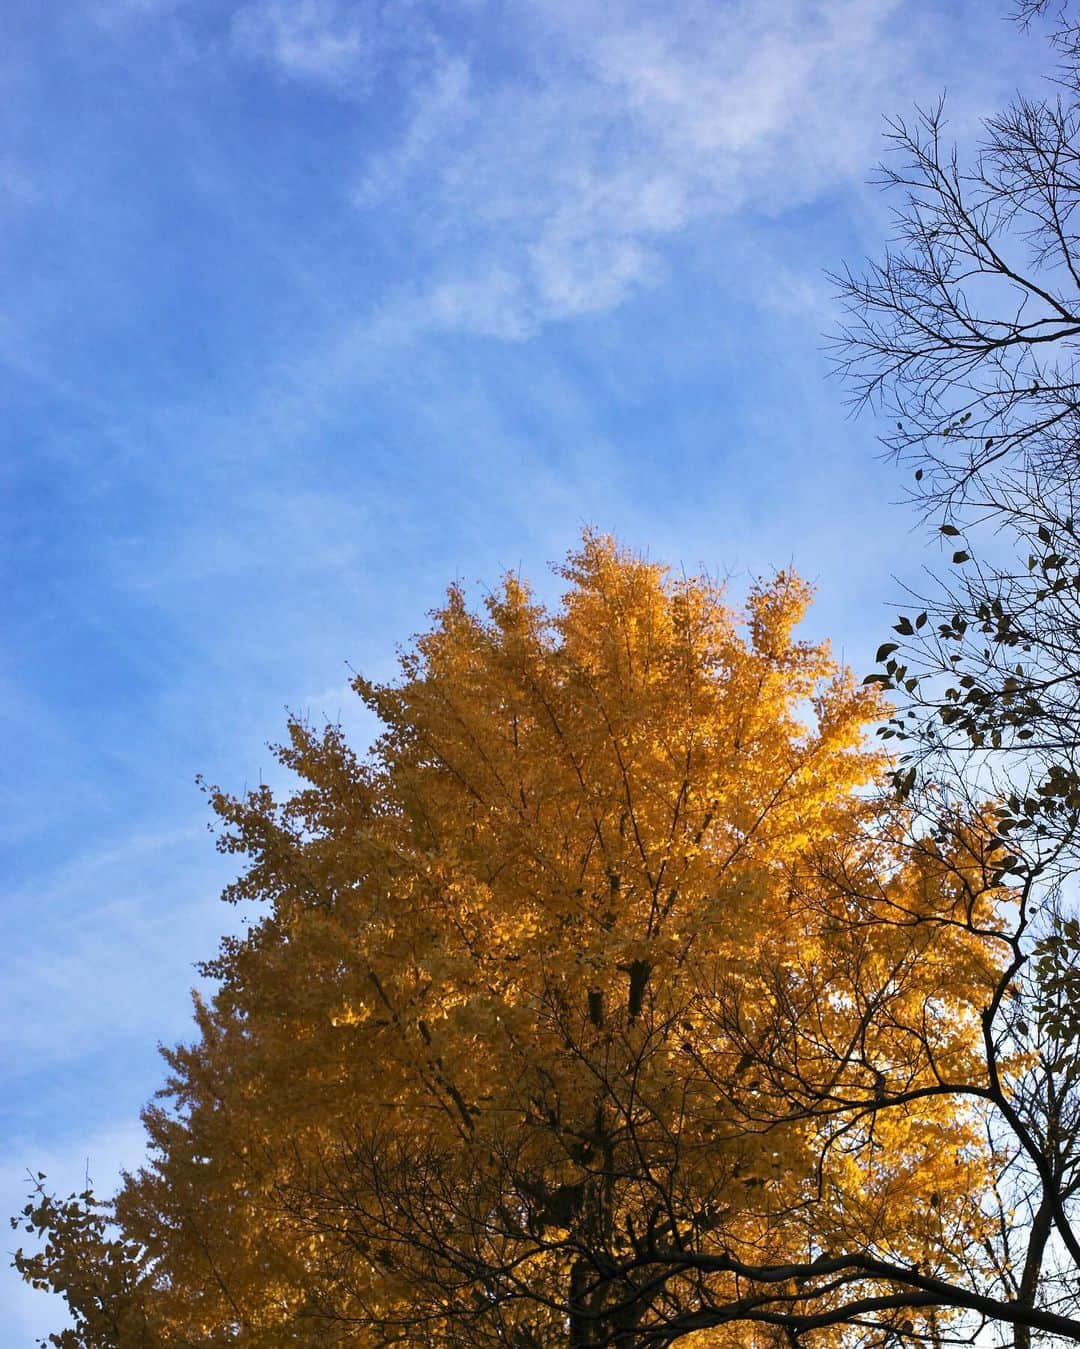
{"x":602,"y":1002}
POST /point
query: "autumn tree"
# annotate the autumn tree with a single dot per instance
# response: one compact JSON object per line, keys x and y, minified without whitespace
{"x":602,"y":1002}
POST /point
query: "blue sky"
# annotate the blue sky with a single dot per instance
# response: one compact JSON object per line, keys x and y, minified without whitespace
{"x":311,"y":307}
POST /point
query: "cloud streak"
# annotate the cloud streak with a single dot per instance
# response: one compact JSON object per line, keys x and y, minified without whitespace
{"x":553,"y":195}
{"x":306,"y":39}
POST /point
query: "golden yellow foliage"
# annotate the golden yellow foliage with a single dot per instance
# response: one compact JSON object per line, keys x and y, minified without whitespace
{"x":604,"y":951}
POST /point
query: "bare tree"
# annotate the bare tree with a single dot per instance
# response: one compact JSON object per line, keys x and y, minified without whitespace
{"x":964,"y":335}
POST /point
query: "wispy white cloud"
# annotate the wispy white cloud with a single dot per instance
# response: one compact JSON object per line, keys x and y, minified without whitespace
{"x":541,"y":158}
{"x":338,"y":44}
{"x":309,"y":39}
{"x":438,"y":103}
{"x":554,"y":194}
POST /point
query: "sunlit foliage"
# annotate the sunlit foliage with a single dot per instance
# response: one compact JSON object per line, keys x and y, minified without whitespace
{"x":599,"y":986}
